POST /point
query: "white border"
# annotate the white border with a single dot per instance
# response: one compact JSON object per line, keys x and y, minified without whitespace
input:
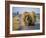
{"x":25,"y":31}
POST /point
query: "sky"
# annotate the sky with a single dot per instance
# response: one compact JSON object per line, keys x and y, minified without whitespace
{"x":25,"y":9}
